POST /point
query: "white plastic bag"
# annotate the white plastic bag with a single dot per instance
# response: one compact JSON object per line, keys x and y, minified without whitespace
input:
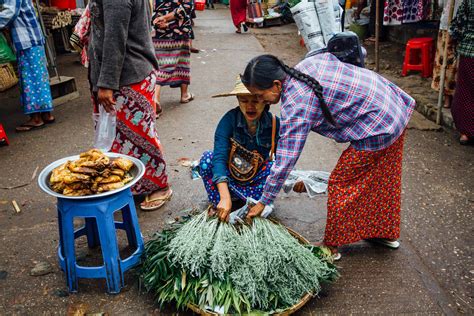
{"x":316,"y":182}
{"x":240,"y":214}
{"x":105,"y":129}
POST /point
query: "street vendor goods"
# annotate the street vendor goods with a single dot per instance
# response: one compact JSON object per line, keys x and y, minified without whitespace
{"x":205,"y":264}
{"x":92,"y":173}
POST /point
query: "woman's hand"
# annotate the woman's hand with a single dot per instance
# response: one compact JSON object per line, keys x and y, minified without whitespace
{"x":223,"y":209}
{"x":161,"y":22}
{"x":255,"y":211}
{"x":105,"y":97}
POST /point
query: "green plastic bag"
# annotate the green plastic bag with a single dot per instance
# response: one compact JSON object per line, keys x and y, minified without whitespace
{"x":6,"y":53}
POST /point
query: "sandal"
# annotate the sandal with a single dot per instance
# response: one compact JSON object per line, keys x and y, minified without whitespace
{"x":385,"y":242}
{"x":189,"y":99}
{"x":50,"y":121}
{"x":162,"y":200}
{"x":27,"y":127}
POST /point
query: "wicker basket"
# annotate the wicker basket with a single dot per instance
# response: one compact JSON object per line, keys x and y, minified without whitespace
{"x":8,"y":78}
{"x":286,"y":312}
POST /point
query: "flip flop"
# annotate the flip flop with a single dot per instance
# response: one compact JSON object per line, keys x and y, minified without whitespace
{"x":51,"y":121}
{"x":162,"y":199}
{"x":245,"y":27}
{"x":385,"y":242}
{"x":25,"y":127}
{"x":191,"y":97}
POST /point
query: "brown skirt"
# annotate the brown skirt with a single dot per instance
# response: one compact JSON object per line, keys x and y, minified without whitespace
{"x":451,"y":67}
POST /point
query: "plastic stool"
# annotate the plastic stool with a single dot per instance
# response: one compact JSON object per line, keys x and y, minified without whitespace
{"x":423,"y":63}
{"x":100,"y":229}
{"x":3,"y":136}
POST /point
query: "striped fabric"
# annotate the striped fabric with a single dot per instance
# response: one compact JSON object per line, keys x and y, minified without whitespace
{"x":20,"y":17}
{"x":370,"y":113}
{"x":173,"y":62}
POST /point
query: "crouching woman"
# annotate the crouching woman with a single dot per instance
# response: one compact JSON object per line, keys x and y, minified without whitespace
{"x":244,"y":144}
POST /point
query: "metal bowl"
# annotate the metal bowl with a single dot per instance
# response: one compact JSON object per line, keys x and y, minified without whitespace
{"x":137,"y":171}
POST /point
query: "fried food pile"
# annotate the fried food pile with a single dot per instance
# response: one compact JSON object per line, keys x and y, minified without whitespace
{"x":92,"y":173}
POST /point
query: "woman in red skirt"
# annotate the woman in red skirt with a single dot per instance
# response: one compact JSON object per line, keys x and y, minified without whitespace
{"x":348,"y":104}
{"x":238,"y":10}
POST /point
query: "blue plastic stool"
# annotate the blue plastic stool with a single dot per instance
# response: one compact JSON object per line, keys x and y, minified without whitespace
{"x":100,"y":229}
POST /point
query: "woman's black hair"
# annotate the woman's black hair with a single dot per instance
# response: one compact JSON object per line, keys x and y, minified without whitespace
{"x":261,"y":71}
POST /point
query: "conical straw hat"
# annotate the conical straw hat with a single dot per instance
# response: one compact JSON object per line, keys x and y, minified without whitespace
{"x":239,"y":89}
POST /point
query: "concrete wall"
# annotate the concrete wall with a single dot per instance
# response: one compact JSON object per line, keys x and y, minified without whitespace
{"x":402,"y":33}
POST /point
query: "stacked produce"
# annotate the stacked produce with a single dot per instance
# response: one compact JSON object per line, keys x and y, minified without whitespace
{"x":233,"y":269}
{"x":92,"y":173}
{"x":54,"y":18}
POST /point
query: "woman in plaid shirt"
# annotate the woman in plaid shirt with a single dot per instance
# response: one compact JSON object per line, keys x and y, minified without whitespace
{"x":348,"y":104}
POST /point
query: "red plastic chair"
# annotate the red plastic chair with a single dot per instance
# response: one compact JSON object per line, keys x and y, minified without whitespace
{"x":419,"y":56}
{"x":3,"y":136}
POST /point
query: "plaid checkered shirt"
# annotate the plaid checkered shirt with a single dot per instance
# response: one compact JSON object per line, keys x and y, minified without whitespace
{"x":20,"y":17}
{"x":370,"y":113}
{"x":462,"y":29}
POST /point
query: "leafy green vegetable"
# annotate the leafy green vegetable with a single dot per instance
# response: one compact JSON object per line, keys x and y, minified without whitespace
{"x":259,"y":268}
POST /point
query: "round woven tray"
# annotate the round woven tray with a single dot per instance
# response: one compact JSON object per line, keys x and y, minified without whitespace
{"x":287,"y":311}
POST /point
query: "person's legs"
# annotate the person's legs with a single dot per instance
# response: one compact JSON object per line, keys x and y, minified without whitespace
{"x":462,"y":107}
{"x":34,"y":86}
{"x":364,"y":196}
{"x":157,"y":98}
{"x":186,"y":96}
{"x":205,"y":171}
{"x":372,"y":19}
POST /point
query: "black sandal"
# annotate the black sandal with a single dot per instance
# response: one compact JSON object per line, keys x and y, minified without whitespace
{"x":26,"y":127}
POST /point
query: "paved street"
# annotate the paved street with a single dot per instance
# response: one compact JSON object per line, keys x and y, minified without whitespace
{"x":431,"y":273}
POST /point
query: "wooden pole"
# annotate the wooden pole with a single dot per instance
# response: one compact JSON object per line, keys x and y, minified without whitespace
{"x":377,"y":34}
{"x":443,"y":67}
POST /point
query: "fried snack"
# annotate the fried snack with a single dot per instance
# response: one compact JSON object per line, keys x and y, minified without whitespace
{"x":92,"y":173}
{"x":75,"y":177}
{"x":123,"y":164}
{"x":58,"y":187}
{"x":76,"y":186}
{"x":118,"y":172}
{"x":78,"y":167}
{"x":58,"y":174}
{"x":127,"y":179}
{"x":69,"y":192}
{"x":111,"y":179}
{"x":110,"y":186}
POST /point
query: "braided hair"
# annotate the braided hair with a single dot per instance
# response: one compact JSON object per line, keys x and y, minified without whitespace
{"x":261,"y":71}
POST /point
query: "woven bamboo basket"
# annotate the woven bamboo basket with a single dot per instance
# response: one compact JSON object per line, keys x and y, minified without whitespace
{"x":286,"y":312}
{"x":8,"y":77}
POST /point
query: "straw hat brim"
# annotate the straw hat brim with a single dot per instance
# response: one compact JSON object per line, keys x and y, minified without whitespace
{"x":230,"y":94}
{"x":239,"y":89}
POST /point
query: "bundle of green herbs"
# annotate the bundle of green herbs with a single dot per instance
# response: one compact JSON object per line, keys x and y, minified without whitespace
{"x":232,"y":269}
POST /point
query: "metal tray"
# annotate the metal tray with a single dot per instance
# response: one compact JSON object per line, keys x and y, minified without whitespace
{"x":137,"y":171}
